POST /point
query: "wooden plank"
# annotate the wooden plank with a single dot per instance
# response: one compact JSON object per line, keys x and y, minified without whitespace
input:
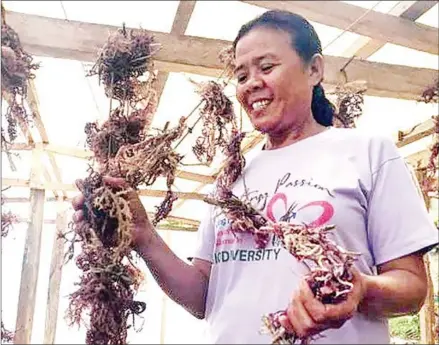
{"x":87,"y":154}
{"x":179,"y":26}
{"x":164,"y":224}
{"x":81,"y":41}
{"x":419,"y":160}
{"x":56,"y":265}
{"x":364,"y":47}
{"x":416,"y":133}
{"x":72,"y":188}
{"x":34,"y":105}
{"x":30,"y":267}
{"x":383,"y":27}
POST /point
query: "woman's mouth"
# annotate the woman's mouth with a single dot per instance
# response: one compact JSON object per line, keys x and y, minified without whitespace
{"x":258,"y":106}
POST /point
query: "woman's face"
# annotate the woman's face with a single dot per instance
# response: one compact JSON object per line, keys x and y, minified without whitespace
{"x":274,"y":85}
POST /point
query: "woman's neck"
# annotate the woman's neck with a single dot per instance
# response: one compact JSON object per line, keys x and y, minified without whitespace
{"x":293,"y":134}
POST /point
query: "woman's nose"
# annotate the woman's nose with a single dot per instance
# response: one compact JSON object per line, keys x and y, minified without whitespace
{"x":254,"y":83}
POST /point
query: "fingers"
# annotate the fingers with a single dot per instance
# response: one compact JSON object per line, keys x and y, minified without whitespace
{"x":115,"y":182}
{"x":313,"y":306}
{"x":299,"y":321}
{"x":78,"y":202}
{"x":78,"y":216}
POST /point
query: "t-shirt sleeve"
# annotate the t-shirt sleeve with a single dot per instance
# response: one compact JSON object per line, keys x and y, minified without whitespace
{"x":205,"y":237}
{"x":398,"y":220}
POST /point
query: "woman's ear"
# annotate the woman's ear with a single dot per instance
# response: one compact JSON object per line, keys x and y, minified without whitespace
{"x":316,"y":69}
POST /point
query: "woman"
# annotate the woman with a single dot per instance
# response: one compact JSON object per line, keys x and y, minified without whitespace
{"x":307,"y":172}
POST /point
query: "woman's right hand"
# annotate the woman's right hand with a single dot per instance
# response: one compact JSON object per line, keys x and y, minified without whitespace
{"x":142,"y":228}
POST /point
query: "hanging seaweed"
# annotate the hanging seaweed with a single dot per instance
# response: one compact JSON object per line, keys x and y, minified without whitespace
{"x":216,"y":114}
{"x":125,"y":57}
{"x":350,"y":102}
{"x":17,"y":69}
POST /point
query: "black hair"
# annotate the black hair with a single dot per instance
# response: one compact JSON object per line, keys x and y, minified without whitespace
{"x":306,"y":43}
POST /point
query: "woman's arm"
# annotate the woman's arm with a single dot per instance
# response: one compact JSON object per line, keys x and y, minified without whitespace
{"x":399,"y":288}
{"x":184,"y":283}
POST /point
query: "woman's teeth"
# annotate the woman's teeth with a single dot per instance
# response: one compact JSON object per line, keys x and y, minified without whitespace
{"x":260,"y":104}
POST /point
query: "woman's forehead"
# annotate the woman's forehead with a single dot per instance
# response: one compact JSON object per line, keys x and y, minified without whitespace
{"x":261,"y":42}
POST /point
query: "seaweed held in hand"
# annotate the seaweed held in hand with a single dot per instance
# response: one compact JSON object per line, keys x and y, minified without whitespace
{"x":330,"y":276}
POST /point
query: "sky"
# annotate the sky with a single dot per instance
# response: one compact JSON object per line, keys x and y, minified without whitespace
{"x":68,"y":100}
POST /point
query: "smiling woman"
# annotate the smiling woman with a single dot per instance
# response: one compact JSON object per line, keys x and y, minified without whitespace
{"x":308,"y":174}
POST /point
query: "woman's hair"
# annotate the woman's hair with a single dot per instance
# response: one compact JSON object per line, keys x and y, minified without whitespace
{"x":306,"y":43}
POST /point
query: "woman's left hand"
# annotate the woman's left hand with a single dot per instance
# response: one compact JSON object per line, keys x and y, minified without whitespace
{"x":307,"y":316}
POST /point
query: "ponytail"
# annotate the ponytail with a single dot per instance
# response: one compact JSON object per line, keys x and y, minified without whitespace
{"x":322,"y":109}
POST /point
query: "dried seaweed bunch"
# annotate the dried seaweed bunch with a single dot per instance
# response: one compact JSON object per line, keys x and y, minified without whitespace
{"x":330,"y":277}
{"x":17,"y":69}
{"x":8,"y":219}
{"x":125,"y":57}
{"x":6,"y":336}
{"x":429,"y":182}
{"x":350,"y":101}
{"x":109,"y":279}
{"x":117,"y":131}
{"x":217,"y":115}
{"x":144,"y":162}
{"x":227,"y":58}
{"x":233,"y":167}
{"x":243,"y":218}
{"x":431,"y":94}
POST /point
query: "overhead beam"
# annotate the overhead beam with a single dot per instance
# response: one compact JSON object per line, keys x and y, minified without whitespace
{"x":86,"y":154}
{"x":81,"y":41}
{"x":166,"y":224}
{"x":381,"y":26}
{"x":6,"y":182}
{"x":364,"y":47}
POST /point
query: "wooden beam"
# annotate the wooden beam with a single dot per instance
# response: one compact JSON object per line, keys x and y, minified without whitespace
{"x":87,"y":154}
{"x":364,"y":47}
{"x":56,"y":265}
{"x":81,"y":41}
{"x":30,"y":269}
{"x":34,"y":104}
{"x":416,"y":133}
{"x":376,"y":25}
{"x":419,"y":160}
{"x":164,"y":225}
{"x":72,"y":188}
{"x":179,"y":26}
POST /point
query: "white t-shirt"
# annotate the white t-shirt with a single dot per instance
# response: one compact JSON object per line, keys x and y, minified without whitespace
{"x":344,"y":177}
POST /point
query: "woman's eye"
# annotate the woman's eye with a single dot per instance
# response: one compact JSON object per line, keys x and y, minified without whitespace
{"x":266,"y":67}
{"x":241,"y":78}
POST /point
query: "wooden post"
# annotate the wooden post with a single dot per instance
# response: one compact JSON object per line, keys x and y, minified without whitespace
{"x":55,"y":275}
{"x":29,"y":273}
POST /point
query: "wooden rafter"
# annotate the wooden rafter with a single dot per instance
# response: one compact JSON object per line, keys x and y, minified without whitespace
{"x":416,"y":133}
{"x":181,"y":21}
{"x":380,"y":26}
{"x":86,"y":154}
{"x":364,"y":47}
{"x":33,"y":102}
{"x":70,"y":187}
{"x":78,"y":40}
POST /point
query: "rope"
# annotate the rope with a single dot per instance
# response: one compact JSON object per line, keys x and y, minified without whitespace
{"x":352,"y":24}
